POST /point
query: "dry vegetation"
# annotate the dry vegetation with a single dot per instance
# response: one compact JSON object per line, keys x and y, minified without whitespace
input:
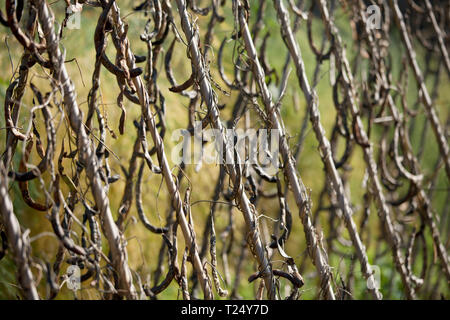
{"x":357,"y":210}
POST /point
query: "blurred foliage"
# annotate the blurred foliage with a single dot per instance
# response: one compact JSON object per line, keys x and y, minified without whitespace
{"x":143,"y":246}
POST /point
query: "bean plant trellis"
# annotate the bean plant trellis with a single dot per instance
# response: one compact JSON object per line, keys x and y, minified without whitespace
{"x":373,"y":73}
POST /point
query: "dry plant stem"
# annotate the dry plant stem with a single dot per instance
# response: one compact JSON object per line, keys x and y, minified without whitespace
{"x":382,"y":207}
{"x":221,"y":292}
{"x":324,"y":144}
{"x":243,"y":202}
{"x":427,"y":101}
{"x":11,"y":139}
{"x":422,"y":197}
{"x":163,"y":163}
{"x":440,"y":36}
{"x":374,"y":111}
{"x":429,"y":219}
{"x":300,"y":194}
{"x":87,"y":156}
{"x":127,"y":198}
{"x":17,"y":241}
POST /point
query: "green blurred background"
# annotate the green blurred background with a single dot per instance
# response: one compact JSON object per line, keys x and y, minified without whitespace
{"x":143,"y":246}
